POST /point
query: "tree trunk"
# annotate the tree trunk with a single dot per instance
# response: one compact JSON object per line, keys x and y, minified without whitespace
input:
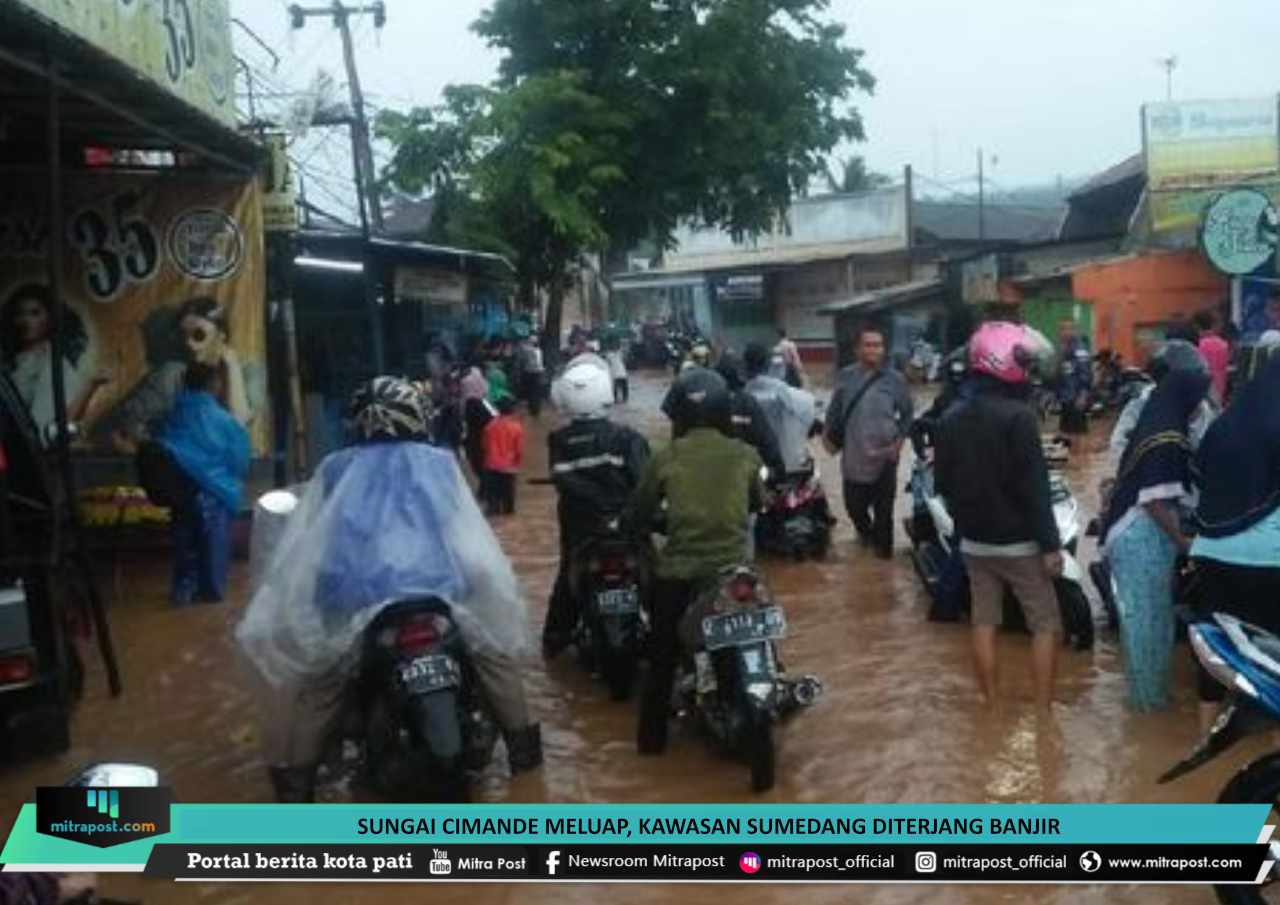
{"x":555,"y":315}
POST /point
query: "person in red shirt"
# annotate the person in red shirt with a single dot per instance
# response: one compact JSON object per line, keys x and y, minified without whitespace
{"x":1217,"y":352}
{"x":503,"y":456}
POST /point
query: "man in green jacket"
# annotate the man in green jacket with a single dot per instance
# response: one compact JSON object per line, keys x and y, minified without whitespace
{"x":711,"y":484}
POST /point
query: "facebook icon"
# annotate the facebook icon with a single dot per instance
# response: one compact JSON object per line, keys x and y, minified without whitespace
{"x":553,"y":862}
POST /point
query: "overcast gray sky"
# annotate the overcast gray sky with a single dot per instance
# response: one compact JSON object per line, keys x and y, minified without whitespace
{"x":1048,"y":87}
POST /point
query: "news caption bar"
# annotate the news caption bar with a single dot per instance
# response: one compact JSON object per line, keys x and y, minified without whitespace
{"x":605,"y":843}
{"x":793,"y":864}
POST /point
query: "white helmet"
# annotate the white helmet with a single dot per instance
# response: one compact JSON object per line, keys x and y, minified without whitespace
{"x":585,"y":390}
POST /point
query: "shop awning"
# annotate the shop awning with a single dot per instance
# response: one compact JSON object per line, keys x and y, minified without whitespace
{"x":103,"y":102}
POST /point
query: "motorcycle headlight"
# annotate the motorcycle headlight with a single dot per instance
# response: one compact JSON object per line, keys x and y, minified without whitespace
{"x":1217,"y":666}
{"x":760,"y":690}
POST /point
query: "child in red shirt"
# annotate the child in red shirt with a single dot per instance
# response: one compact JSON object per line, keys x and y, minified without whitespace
{"x":503,"y":456}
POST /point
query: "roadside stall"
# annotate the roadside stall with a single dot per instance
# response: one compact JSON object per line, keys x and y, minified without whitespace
{"x":130,"y":248}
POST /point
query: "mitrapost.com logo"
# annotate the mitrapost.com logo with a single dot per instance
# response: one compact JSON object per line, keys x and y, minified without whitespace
{"x":102,"y":817}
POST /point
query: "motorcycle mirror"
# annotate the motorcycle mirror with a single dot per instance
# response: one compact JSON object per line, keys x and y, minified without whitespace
{"x":116,"y":776}
{"x":279,"y":502}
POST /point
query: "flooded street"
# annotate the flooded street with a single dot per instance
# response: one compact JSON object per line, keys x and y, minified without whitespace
{"x":899,"y":722}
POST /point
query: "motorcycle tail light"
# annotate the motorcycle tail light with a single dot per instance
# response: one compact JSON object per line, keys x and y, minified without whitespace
{"x":421,"y":631}
{"x":16,"y":669}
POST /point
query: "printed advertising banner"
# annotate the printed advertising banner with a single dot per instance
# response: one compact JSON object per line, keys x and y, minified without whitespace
{"x":1196,"y":149}
{"x":184,"y":46}
{"x":161,"y":271}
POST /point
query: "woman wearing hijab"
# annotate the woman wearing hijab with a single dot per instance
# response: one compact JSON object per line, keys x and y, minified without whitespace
{"x":1143,"y":535}
{"x":1237,"y":552}
{"x":477,"y":412}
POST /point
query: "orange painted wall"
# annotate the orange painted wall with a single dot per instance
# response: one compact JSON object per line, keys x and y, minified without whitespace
{"x":1146,"y":290}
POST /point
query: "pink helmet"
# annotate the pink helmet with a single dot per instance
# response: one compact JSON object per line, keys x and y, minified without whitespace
{"x":1007,"y":351}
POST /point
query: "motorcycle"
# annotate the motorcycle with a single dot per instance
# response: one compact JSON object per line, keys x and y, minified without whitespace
{"x":413,"y":718}
{"x":610,"y":579}
{"x":797,"y":522}
{"x":1246,"y":660}
{"x":937,"y":560}
{"x":732,"y":684}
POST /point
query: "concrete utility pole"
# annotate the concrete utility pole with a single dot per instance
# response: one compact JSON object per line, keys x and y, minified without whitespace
{"x":982,"y":201}
{"x":366,"y":176}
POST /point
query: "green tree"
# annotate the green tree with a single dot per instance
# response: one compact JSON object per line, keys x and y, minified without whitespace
{"x":614,"y":120}
{"x":734,"y":104}
{"x":519,"y":171}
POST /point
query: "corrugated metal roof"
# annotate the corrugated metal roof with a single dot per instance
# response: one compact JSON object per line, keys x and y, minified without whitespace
{"x":955,"y":222}
{"x":902,"y":292}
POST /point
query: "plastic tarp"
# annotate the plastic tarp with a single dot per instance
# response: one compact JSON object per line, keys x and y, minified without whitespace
{"x":209,"y":445}
{"x":378,"y":524}
{"x":791,"y":413}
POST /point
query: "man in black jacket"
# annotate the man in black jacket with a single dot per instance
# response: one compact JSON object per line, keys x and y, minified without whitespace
{"x":595,"y":465}
{"x":990,"y":470}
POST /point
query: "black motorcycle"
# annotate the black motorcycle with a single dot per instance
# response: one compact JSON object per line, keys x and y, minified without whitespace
{"x":797,"y":522}
{"x":610,"y":579}
{"x":732,"y":684}
{"x":414,"y":717}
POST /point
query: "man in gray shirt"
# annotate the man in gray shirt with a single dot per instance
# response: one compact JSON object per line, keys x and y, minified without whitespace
{"x":867,"y":420}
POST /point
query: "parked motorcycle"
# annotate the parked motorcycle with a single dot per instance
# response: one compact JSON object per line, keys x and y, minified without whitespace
{"x":610,"y":579}
{"x":797,"y":522}
{"x":1246,"y":660}
{"x":413,"y":718}
{"x":936,"y":556}
{"x":733,"y":684}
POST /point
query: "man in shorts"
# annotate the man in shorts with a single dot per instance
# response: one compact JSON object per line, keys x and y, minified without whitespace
{"x":990,"y":469}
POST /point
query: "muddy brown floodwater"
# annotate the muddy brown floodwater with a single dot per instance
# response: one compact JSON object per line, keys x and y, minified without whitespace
{"x":898,"y":723}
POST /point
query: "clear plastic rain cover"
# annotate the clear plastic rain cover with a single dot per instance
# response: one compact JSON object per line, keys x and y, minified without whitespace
{"x":378,"y":524}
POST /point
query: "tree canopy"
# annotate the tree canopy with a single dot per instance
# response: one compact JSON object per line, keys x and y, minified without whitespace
{"x":613,"y":121}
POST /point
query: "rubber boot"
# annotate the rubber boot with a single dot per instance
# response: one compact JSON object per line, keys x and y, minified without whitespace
{"x":524,"y":748}
{"x":294,"y":785}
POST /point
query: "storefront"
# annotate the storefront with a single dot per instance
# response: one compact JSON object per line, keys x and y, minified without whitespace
{"x":131,"y":247}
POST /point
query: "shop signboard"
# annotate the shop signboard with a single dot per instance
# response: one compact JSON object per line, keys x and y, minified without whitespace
{"x":1239,"y":231}
{"x":161,"y":270}
{"x":980,"y":280}
{"x":279,"y":206}
{"x":1195,"y":149}
{"x":183,"y":46}
{"x":429,"y":286}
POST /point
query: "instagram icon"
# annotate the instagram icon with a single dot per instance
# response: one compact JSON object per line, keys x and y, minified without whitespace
{"x":926,"y":862}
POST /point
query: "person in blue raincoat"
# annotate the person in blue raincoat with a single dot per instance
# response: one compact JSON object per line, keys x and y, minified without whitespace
{"x":211,"y":450}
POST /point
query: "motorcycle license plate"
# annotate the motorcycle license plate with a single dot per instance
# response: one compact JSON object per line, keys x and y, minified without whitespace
{"x":618,"y":602}
{"x":433,"y":672}
{"x":744,"y":627}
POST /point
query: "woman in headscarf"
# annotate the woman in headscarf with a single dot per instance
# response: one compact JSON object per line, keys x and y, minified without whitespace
{"x":1143,"y":532}
{"x":1237,"y":552}
{"x":477,"y":412}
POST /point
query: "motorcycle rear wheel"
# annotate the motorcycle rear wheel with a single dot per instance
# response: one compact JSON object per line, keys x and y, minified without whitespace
{"x":1258,"y":783}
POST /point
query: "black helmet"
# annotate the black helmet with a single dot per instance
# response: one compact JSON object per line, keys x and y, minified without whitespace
{"x":701,"y":398}
{"x":730,"y":369}
{"x":756,"y":358}
{"x":389,"y":408}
